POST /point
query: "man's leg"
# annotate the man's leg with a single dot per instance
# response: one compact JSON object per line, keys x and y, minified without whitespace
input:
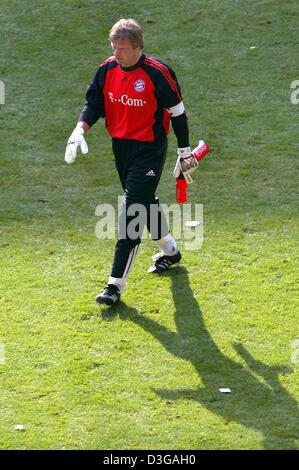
{"x":158,"y":227}
{"x":140,"y":166}
{"x":128,"y":155}
{"x":129,"y":240}
{"x":125,"y":252}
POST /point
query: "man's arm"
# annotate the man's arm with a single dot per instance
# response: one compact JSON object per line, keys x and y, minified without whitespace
{"x":186,"y":162}
{"x":94,"y":102}
{"x":92,"y":111}
{"x":169,"y":96}
{"x":180,"y":128}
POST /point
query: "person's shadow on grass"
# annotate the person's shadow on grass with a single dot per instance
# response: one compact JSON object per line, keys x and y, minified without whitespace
{"x":263,"y":405}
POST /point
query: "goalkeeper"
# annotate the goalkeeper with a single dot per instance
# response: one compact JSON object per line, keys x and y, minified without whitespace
{"x":138,"y":96}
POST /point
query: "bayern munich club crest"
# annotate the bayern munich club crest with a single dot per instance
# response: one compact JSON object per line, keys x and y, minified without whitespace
{"x":139,"y":85}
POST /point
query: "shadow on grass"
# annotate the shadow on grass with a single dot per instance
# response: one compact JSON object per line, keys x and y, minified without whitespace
{"x":262,"y":404}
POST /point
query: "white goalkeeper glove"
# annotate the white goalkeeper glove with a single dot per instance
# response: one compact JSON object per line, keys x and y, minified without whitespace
{"x":76,"y":139}
{"x":186,"y":163}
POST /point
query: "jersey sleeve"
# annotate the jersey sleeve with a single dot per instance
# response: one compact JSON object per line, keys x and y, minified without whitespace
{"x":94,"y":107}
{"x":169,"y":97}
{"x":168,"y":90}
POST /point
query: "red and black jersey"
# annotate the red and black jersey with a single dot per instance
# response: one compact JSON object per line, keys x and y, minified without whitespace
{"x":134,"y":101}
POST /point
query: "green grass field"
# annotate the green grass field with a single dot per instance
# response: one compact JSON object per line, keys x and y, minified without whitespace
{"x":146,"y":374}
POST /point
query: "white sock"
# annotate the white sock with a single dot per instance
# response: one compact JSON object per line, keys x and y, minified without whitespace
{"x":168,"y":245}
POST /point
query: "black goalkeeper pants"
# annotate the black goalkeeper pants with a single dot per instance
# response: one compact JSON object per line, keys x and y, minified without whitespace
{"x":139,"y":165}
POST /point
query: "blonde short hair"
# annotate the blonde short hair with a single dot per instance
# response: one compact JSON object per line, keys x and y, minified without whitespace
{"x":127,"y":29}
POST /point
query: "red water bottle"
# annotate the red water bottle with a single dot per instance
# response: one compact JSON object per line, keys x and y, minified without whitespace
{"x":201,"y":150}
{"x":181,"y":189}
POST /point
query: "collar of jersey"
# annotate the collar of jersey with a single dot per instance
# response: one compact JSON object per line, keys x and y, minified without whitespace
{"x":133,"y":67}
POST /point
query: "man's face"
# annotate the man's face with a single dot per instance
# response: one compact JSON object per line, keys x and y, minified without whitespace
{"x":124,"y":52}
